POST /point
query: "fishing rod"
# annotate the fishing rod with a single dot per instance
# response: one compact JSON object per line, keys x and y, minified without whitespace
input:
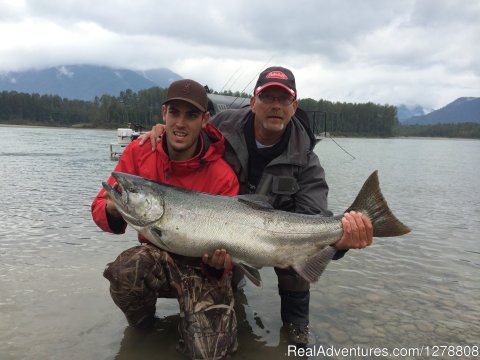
{"x":330,"y":137}
{"x":236,"y":79}
{"x":253,"y":78}
{"x":315,"y":129}
{"x":230,"y":78}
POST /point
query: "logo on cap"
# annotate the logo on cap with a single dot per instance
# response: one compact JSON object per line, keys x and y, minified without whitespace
{"x":186,"y":88}
{"x":276,"y":75}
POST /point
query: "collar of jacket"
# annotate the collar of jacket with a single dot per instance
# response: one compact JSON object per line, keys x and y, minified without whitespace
{"x":212,"y":147}
{"x":232,"y":122}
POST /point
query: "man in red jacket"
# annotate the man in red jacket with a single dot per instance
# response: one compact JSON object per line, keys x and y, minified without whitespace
{"x":189,"y":156}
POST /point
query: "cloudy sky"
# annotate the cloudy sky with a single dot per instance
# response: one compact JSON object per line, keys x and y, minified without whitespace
{"x":423,"y":52}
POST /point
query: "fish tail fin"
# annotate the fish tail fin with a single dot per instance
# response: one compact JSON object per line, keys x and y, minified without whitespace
{"x":370,"y":201}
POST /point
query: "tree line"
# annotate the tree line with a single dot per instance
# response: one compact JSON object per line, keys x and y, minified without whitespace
{"x":106,"y":111}
{"x":143,"y":108}
{"x":467,"y":130}
{"x":350,"y":119}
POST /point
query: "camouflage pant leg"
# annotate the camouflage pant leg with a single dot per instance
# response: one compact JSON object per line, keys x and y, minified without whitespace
{"x":208,"y":324}
{"x":137,"y":277}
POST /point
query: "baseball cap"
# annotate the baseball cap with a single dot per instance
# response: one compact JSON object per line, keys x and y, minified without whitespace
{"x":276,"y":76}
{"x":189,"y":91}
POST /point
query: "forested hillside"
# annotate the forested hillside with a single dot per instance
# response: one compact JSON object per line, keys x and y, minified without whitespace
{"x":144,"y":108}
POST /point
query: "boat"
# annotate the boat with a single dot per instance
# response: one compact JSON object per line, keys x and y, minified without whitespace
{"x":124,"y":137}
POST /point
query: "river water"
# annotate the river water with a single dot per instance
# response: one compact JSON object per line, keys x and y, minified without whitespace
{"x":418,"y":291}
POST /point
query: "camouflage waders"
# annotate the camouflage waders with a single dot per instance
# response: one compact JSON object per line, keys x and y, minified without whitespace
{"x":208,"y":326}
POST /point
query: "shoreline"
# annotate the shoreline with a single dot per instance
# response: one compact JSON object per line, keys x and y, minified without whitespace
{"x":322,"y":139}
{"x":55,"y":127}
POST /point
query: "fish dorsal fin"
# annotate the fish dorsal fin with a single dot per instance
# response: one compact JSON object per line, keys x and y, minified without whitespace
{"x":251,"y":273}
{"x":314,"y":266}
{"x":258,"y":202}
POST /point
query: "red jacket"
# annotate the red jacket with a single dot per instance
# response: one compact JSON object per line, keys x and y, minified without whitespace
{"x":206,"y":172}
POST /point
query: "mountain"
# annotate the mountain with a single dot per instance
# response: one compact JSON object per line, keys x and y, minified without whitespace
{"x":405,"y":112}
{"x":84,"y":82}
{"x":464,"y":109}
{"x":161,"y":77}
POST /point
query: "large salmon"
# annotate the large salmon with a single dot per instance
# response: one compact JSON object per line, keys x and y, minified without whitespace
{"x":191,"y":223}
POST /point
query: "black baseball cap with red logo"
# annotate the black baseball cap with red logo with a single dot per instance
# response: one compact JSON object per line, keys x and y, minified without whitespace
{"x":276,"y":76}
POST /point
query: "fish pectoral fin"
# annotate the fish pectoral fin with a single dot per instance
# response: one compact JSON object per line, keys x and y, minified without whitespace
{"x":157,"y":239}
{"x":251,"y":273}
{"x":257,"y":202}
{"x":313,"y":268}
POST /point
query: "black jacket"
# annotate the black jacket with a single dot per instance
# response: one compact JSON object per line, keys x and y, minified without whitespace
{"x":295,"y":178}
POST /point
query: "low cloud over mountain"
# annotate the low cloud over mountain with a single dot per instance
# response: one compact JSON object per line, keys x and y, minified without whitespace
{"x":84,"y":82}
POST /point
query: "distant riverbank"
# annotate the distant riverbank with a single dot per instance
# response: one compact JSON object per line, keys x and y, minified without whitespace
{"x":437,"y":131}
{"x":42,"y":125}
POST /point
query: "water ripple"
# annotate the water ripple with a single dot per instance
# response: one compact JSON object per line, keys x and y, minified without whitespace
{"x":420,"y":289}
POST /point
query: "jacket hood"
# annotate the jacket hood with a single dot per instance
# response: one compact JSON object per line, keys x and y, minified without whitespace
{"x":212,"y":147}
{"x":231,"y":123}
